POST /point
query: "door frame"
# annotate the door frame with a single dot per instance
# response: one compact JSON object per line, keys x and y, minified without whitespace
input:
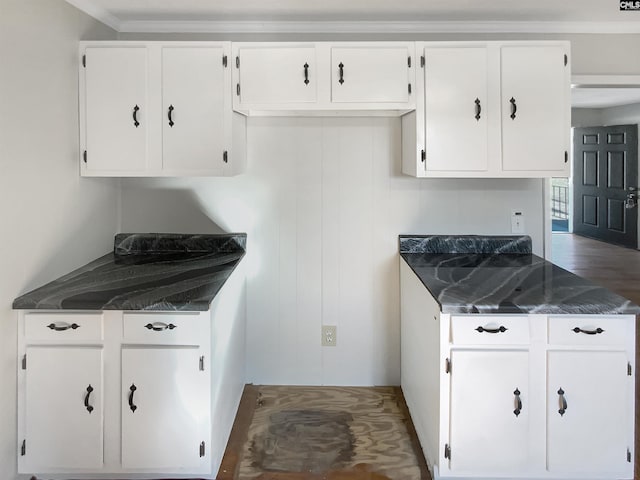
{"x":588,"y":81}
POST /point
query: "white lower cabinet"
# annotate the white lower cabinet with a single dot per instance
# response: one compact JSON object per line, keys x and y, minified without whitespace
{"x":165,"y":408}
{"x":489,"y":417}
{"x":63,"y":408}
{"x":518,"y":396}
{"x":129,"y":394}
{"x":588,"y":412}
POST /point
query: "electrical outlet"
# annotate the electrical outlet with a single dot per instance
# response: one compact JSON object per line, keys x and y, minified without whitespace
{"x":329,"y":338}
{"x":517,"y":221}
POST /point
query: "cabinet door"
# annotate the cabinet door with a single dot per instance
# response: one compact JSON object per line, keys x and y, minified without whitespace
{"x":116,"y":109}
{"x":456,"y":109}
{"x":193,"y":94}
{"x":369,"y":75}
{"x":165,"y":409}
{"x":276,"y":75}
{"x":534,"y":102}
{"x":588,"y":413}
{"x":489,"y":432}
{"x":63,"y":409}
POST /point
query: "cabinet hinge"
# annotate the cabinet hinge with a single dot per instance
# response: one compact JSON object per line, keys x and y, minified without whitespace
{"x":84,"y":156}
{"x":23,"y":448}
{"x":224,"y":61}
{"x":84,"y":61}
{"x":447,"y":451}
{"x":447,"y":366}
{"x":566,"y":59}
{"x":409,"y":89}
{"x":629,"y":369}
{"x":237,"y":62}
{"x":422,"y":60}
{"x":409,"y":62}
{"x":201,"y":363}
{"x":24,"y":362}
{"x":237,"y":89}
{"x":566,"y":157}
{"x":225,"y":157}
{"x":201,"y":449}
{"x":423,"y":156}
{"x":628,"y":455}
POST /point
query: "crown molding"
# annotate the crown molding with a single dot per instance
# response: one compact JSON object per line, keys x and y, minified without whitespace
{"x":100,"y":14}
{"x":372,"y":27}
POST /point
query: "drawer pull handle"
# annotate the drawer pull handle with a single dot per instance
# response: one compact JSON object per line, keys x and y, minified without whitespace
{"x":500,"y":329}
{"x":588,"y":332}
{"x":62,"y":326}
{"x":518,"y":402}
{"x":160,"y":326}
{"x":132,"y":390}
{"x":341,"y":67}
{"x":306,"y":74}
{"x":86,"y":399}
{"x":563,"y":402}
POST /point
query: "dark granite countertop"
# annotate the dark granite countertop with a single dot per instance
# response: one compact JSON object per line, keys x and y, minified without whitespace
{"x":163,"y":272}
{"x":487,"y":274}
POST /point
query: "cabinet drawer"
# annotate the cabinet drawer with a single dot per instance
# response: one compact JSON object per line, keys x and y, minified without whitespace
{"x":63,"y":327}
{"x":166,"y":328}
{"x":489,"y":330}
{"x":590,"y":330}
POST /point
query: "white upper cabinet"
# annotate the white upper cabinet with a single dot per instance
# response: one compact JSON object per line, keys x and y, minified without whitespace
{"x":535,"y":118}
{"x":324,"y":78}
{"x":490,"y":109}
{"x":158,"y":109}
{"x":456,"y":101}
{"x":277,"y":75}
{"x":370,"y":75}
{"x":194,"y":130}
{"x":117,"y":109}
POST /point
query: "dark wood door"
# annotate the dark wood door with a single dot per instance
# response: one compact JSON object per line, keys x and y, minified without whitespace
{"x":605,"y":168}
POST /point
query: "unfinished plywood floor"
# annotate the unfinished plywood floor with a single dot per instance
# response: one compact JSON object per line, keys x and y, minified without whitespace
{"x":332,"y":433}
{"x":613,"y":267}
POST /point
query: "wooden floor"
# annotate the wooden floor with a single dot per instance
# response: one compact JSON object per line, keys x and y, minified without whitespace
{"x":323,"y":433}
{"x":613,"y":267}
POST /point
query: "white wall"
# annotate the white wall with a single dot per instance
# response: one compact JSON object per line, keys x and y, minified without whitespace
{"x":586,"y":117}
{"x":323,"y":202}
{"x":622,"y":115}
{"x":52,"y":220}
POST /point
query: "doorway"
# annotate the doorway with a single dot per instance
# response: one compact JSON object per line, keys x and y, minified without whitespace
{"x":599,"y":101}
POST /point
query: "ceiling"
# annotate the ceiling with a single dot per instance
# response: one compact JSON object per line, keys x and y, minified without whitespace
{"x":571,"y":16}
{"x":603,"y":97}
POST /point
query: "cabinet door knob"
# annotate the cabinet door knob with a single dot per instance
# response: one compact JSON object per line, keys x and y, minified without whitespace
{"x":132,"y":390}
{"x":169,"y":114}
{"x":478,"y":109}
{"x":518,"y":402}
{"x":562,"y":401}
{"x":514,"y":108}
{"x":135,"y":116}
{"x":341,"y":67}
{"x":86,"y":399}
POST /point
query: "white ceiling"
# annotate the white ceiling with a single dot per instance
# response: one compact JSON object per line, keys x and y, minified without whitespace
{"x":431,"y":15}
{"x":603,"y":97}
